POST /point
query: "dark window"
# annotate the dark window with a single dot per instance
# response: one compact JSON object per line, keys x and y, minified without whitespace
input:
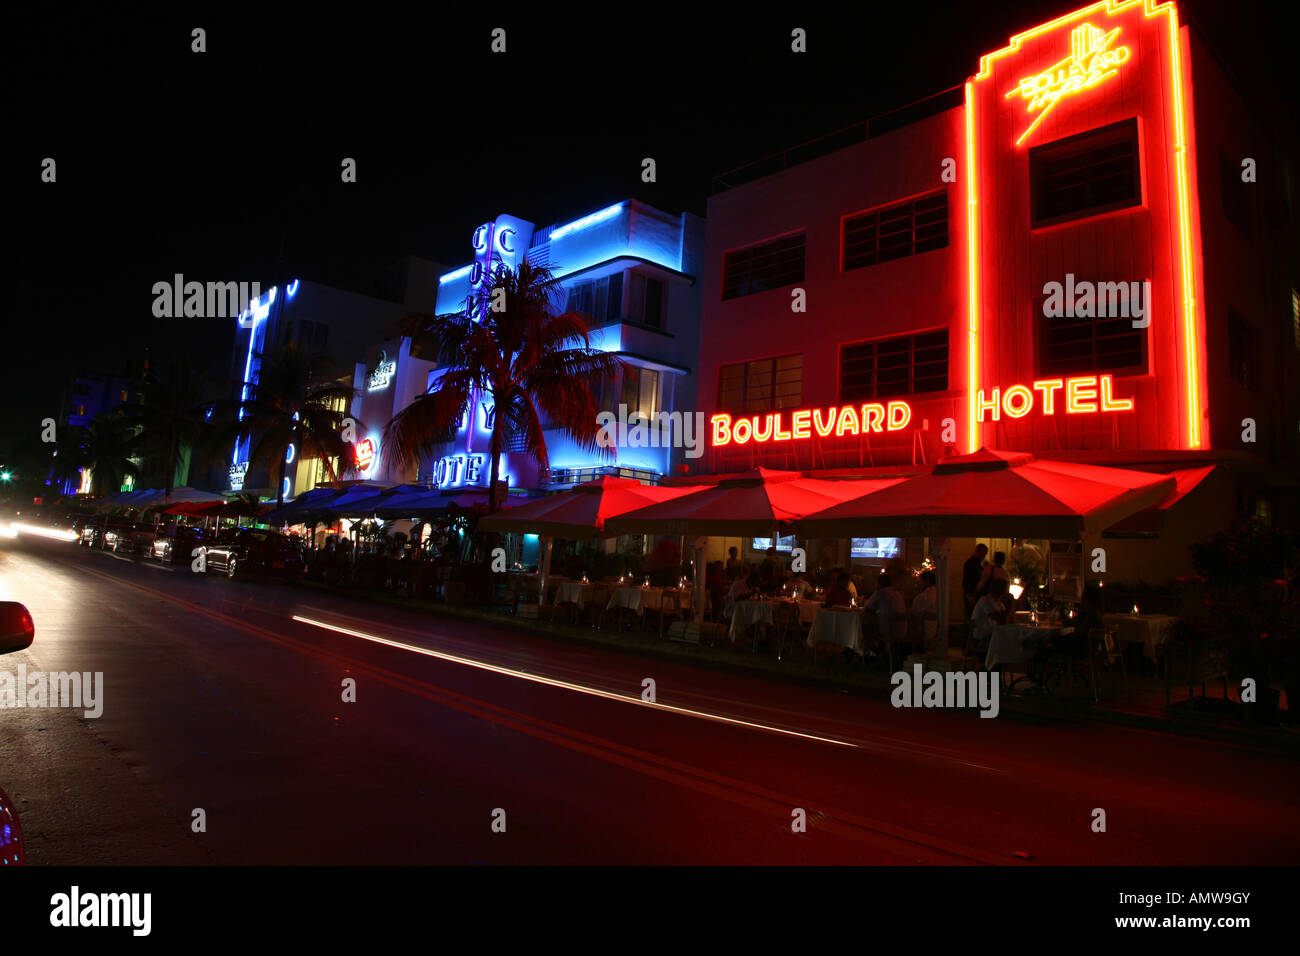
{"x":601,"y":300}
{"x":1236,"y":195}
{"x":898,"y":366}
{"x":762,"y":385}
{"x":645,"y":300}
{"x":1241,"y":350}
{"x":1073,"y":345}
{"x":769,"y":265}
{"x":313,"y":335}
{"x":898,"y":230}
{"x":1086,"y":174}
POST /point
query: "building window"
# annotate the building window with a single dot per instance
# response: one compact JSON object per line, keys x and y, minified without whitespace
{"x":1295,"y":316}
{"x":1079,"y":345}
{"x":640,"y":391}
{"x":1236,"y":195}
{"x":313,"y":335}
{"x":769,"y":265}
{"x":601,"y":300}
{"x":1083,"y":175}
{"x":903,"y":365}
{"x":761,"y":386}
{"x":895,"y":231}
{"x":645,"y":297}
{"x":79,"y":409}
{"x":1241,"y":350}
{"x":122,"y":396}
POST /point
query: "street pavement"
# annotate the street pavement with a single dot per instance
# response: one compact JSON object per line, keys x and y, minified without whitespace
{"x":227,"y":697}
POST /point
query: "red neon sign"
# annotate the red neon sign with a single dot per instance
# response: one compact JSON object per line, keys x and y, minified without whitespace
{"x":838,"y":420}
{"x":1082,"y":395}
{"x":365,"y":453}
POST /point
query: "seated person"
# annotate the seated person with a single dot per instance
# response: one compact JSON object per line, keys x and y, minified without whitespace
{"x":1074,"y":638}
{"x":742,"y":589}
{"x":989,"y":611}
{"x":838,"y":595}
{"x":926,"y":600}
{"x":886,"y":602}
{"x":798,"y":586}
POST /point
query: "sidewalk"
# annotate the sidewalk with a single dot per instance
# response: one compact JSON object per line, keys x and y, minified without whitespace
{"x":1138,"y":703}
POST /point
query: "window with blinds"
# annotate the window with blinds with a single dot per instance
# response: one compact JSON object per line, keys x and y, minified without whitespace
{"x":1086,"y":174}
{"x":1084,"y":346}
{"x":902,"y":365}
{"x":769,"y":265}
{"x":763,"y":385}
{"x":896,"y":231}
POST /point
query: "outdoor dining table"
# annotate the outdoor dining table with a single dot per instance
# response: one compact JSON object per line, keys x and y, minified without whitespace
{"x":747,"y":614}
{"x":1017,"y":643}
{"x":573,"y":592}
{"x":835,"y":625}
{"x":641,"y":599}
{"x":1149,"y":630}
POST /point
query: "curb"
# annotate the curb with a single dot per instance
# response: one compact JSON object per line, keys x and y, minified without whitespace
{"x":867,"y":684}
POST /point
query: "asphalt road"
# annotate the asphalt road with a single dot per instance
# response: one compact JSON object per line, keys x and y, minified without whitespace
{"x":227,"y":697}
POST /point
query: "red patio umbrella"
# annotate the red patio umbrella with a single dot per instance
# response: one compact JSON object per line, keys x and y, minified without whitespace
{"x":585,"y":509}
{"x":750,"y":504}
{"x":996,"y":492}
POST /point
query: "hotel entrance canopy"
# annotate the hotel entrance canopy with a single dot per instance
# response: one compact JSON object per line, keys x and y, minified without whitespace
{"x":996,"y":492}
{"x":749,"y":504}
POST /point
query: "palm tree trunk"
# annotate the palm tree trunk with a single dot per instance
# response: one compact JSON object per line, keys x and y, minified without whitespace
{"x":494,"y":449}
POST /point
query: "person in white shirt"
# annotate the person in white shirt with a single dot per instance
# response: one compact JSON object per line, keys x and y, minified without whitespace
{"x":989,"y":611}
{"x":798,"y":587}
{"x":886,"y":602}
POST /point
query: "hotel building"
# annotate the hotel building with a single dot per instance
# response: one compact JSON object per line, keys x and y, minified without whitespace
{"x":1088,"y":251}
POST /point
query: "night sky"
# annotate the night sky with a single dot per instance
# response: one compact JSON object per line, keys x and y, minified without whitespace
{"x":224,"y":166}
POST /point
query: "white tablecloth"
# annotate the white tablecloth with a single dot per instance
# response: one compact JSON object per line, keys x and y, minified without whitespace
{"x":1016,"y":643}
{"x":653,"y":598}
{"x":747,"y":614}
{"x":832,"y":626}
{"x":1149,"y":630}
{"x":573,"y":592}
{"x":630,"y":598}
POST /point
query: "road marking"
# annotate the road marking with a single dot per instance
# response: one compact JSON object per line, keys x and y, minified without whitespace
{"x":552,"y":682}
{"x":852,"y":826}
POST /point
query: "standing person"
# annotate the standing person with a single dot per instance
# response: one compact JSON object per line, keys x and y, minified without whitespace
{"x":993,"y":572}
{"x":971,"y":573}
{"x":734,"y":566}
{"x":771,"y":572}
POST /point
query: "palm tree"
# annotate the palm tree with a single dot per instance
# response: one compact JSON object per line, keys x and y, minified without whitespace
{"x":288,"y":406}
{"x":173,"y":418}
{"x":111,"y":448}
{"x":525,"y":358}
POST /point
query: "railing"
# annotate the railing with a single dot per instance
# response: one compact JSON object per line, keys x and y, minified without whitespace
{"x":839,"y":139}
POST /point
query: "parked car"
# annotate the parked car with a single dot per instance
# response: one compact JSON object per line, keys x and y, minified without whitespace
{"x":102,"y":531}
{"x":252,"y":551}
{"x":175,"y":544}
{"x":17,"y":631}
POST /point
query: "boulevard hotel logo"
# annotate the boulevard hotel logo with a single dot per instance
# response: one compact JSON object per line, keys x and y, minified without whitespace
{"x":1092,"y":60}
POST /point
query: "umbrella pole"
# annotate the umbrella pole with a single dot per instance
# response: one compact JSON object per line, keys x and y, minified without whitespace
{"x":701,"y":599}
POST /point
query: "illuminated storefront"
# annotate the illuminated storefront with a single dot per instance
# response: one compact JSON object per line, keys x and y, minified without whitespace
{"x":1042,"y":260}
{"x":632,"y":269}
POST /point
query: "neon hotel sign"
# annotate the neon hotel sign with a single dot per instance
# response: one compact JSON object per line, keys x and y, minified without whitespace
{"x":1071,"y":396}
{"x":1092,"y":59}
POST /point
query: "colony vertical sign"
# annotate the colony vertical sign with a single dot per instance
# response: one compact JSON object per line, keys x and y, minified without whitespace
{"x":1094,"y":57}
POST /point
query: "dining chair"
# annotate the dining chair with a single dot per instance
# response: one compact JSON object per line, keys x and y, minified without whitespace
{"x":785,"y":619}
{"x":898,"y":635}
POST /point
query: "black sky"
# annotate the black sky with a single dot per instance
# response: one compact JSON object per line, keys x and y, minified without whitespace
{"x":225,"y":165}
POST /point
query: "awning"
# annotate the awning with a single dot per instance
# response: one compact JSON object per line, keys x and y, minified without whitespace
{"x":584,"y":510}
{"x":995,"y":492}
{"x":1149,"y":522}
{"x":755,"y":503}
